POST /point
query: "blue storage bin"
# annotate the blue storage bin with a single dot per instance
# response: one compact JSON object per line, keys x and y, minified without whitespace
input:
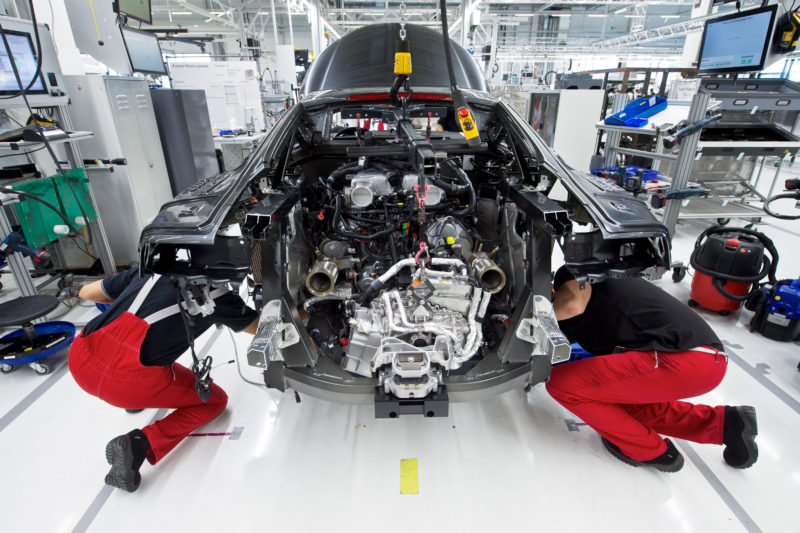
{"x":638,"y":109}
{"x":630,"y":170}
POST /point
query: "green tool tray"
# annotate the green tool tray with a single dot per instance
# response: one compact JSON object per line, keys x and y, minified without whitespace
{"x":69,"y":203}
{"x":38,"y":220}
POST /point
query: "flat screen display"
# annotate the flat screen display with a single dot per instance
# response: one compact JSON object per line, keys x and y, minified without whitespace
{"x":25,"y":58}
{"x":143,"y":51}
{"x":738,"y":42}
{"x":135,"y":9}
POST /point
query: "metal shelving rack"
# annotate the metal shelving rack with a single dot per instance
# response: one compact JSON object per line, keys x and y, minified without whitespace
{"x":676,"y":111}
{"x":18,"y":268}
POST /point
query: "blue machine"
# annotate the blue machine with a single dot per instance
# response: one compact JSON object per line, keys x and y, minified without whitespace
{"x":777,"y":311}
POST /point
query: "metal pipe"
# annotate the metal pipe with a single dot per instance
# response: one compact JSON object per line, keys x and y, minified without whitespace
{"x":274,"y":24}
{"x":321,"y":279}
{"x":291,"y":28}
{"x":394,"y":269}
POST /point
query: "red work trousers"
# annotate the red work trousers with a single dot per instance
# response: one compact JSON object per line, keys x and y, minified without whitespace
{"x":630,"y":398}
{"x":106,"y":364}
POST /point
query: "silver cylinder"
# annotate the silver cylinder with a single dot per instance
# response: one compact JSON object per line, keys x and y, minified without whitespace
{"x":321,"y":279}
{"x":487,"y":272}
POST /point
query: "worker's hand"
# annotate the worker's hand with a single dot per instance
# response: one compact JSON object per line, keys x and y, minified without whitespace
{"x":73,"y":291}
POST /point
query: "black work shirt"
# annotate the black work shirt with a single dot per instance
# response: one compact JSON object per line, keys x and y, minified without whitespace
{"x":634,"y":314}
{"x":166,"y":339}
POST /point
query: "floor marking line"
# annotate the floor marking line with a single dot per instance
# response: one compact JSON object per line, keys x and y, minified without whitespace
{"x":409,"y":476}
{"x":105,"y":493}
{"x":234,"y":434}
{"x":574,"y":425}
{"x":757,"y":373}
{"x":34,"y":395}
{"x":732,"y":503}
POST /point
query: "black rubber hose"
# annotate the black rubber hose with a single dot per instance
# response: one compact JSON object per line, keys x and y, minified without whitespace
{"x":468,"y":184}
{"x":48,"y":204}
{"x":787,"y":195}
{"x":337,"y":216}
{"x":343,"y":171}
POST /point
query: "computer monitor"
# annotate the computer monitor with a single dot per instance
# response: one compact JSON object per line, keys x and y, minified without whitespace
{"x":737,"y":42}
{"x":24,"y":54}
{"x":144,"y":52}
{"x":135,"y":9}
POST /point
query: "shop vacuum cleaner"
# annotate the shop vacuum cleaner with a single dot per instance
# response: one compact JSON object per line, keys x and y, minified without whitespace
{"x":777,"y":310}
{"x":728,"y":264}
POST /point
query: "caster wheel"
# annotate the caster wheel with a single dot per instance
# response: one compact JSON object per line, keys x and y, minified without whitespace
{"x":678,"y":273}
{"x":724,"y":313}
{"x":7,"y":369}
{"x":41,"y":368}
{"x":692,"y":303}
{"x":723,"y":221}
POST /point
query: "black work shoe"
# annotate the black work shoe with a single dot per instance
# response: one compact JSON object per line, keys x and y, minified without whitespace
{"x":126,"y":454}
{"x":669,"y":461}
{"x":739,"y":436}
{"x":133,"y":411}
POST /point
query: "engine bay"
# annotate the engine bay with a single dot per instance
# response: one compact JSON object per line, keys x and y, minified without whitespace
{"x":388,"y":255}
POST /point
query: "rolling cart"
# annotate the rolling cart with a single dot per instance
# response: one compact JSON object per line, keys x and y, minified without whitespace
{"x":33,"y":343}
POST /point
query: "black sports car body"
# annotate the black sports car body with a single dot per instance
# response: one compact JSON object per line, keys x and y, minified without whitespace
{"x":395,"y":263}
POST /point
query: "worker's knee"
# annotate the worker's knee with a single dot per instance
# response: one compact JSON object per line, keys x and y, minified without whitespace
{"x":218,"y":399}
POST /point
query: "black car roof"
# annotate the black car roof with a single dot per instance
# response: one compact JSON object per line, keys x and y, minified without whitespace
{"x":365,"y":58}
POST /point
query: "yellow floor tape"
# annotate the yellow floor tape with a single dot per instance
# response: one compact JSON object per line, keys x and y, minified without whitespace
{"x":409,"y":476}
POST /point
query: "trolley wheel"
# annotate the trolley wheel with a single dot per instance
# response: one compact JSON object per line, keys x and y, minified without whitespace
{"x":692,"y":303}
{"x":678,"y":273}
{"x":7,"y":369}
{"x":723,"y":221}
{"x":40,"y":368}
{"x":724,"y":312}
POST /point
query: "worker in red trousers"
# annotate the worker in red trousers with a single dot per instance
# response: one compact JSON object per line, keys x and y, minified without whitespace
{"x":126,"y":357}
{"x":653,"y":351}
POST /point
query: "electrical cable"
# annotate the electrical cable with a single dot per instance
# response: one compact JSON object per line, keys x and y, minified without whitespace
{"x":22,"y":153}
{"x":48,"y":204}
{"x":239,"y":368}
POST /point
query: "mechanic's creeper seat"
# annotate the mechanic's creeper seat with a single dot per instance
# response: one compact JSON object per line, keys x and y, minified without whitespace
{"x":31,"y":344}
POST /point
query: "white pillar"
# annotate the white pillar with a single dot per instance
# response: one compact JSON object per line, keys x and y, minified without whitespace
{"x":691,"y":46}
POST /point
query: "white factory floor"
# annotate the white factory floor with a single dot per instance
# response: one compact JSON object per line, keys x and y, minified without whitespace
{"x":517,"y":461}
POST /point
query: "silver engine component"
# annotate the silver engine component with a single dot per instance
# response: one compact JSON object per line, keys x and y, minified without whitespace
{"x":321,"y":279}
{"x":543,"y":333}
{"x":434,"y":194}
{"x":370,"y":184}
{"x":365,"y":186}
{"x":487,"y":272}
{"x":410,"y":337}
{"x":450,"y":231}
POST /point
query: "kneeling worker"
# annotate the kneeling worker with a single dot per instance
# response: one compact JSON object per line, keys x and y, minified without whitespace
{"x":126,"y":357}
{"x":655,"y":351}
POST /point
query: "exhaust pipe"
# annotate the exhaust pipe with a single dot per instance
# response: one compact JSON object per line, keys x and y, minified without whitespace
{"x":486,"y":271}
{"x":321,"y":279}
